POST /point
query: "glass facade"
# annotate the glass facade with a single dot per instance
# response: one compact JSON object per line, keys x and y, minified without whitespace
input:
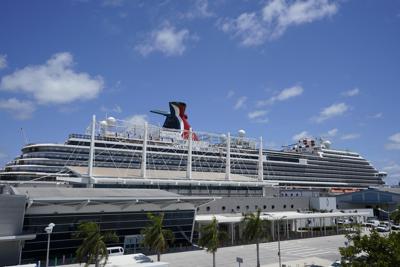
{"x":63,"y":243}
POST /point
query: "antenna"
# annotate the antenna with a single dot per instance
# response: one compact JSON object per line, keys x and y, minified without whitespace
{"x":24,"y":136}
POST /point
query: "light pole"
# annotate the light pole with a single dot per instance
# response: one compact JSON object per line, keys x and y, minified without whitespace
{"x":48,"y":230}
{"x":279,"y":235}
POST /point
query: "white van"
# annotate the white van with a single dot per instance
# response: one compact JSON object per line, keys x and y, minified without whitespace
{"x":115,"y":251}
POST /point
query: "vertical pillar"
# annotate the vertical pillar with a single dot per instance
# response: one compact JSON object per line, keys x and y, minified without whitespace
{"x":233,"y":233}
{"x":337,"y":226}
{"x":91,"y":152}
{"x":189,"y":157}
{"x":287,"y":228}
{"x":273,"y":230}
{"x":144,"y":152}
{"x":260,"y":161}
{"x":228,"y":158}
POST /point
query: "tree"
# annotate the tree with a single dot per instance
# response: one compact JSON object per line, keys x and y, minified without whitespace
{"x":255,"y":229}
{"x":211,"y":237}
{"x":156,"y":238}
{"x":93,"y":248}
{"x":395,"y":216}
{"x":371,"y":250}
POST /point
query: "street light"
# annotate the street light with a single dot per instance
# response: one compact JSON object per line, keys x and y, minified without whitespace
{"x":48,"y":230}
{"x":279,"y":236}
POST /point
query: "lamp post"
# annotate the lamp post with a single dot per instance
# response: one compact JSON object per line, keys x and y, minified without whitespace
{"x":48,"y":230}
{"x":279,"y":235}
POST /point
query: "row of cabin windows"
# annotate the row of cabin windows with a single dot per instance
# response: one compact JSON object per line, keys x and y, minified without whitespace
{"x":248,"y":207}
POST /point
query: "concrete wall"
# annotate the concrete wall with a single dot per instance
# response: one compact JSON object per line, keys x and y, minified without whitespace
{"x":251,"y":204}
{"x":12,"y":210}
{"x":323,"y":203}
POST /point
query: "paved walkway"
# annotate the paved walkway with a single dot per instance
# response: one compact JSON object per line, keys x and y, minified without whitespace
{"x":301,"y":251}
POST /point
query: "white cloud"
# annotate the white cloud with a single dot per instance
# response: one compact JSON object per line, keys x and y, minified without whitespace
{"x":240,"y":102}
{"x":378,"y":115}
{"x":247,"y":27}
{"x":350,"y":136}
{"x":115,"y":109}
{"x":230,"y":94}
{"x":3,"y":155}
{"x":166,"y":40}
{"x":283,"y":95}
{"x":331,"y":133}
{"x":256,"y":114}
{"x":394,"y":142}
{"x":333,"y":110}
{"x":352,"y":92}
{"x":254,"y":28}
{"x":3,"y":61}
{"x":137,"y":119}
{"x":393,"y":170}
{"x":301,"y":135}
{"x":54,"y":82}
{"x":20,"y":110}
{"x":112,"y":3}
{"x":199,"y":10}
{"x":395,"y":138}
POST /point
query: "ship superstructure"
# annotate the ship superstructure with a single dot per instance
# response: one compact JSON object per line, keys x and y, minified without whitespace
{"x":176,"y":158}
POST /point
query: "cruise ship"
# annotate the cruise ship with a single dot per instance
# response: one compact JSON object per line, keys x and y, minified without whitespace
{"x":116,"y":153}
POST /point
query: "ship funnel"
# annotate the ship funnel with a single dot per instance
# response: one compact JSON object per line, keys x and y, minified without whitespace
{"x":177,"y":119}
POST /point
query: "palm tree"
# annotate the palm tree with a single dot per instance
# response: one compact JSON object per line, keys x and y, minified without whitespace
{"x":211,"y":237}
{"x":395,"y":216}
{"x":93,"y":248}
{"x":254,"y":229}
{"x":157,"y":238}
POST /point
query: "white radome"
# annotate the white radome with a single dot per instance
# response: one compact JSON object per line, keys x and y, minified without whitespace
{"x":327,"y":144}
{"x":103,"y":124}
{"x":242,"y":133}
{"x":111,"y":121}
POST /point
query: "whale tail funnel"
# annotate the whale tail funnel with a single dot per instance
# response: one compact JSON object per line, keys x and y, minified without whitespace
{"x":177,"y":119}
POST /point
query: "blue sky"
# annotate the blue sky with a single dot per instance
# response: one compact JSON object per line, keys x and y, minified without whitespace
{"x":278,"y":69}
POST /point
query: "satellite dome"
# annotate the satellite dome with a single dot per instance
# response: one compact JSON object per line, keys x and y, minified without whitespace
{"x":111,"y":121}
{"x":242,"y":133}
{"x":223,"y":137}
{"x":103,"y":124}
{"x":327,"y":144}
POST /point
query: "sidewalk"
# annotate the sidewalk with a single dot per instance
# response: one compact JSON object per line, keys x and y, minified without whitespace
{"x":302,"y":262}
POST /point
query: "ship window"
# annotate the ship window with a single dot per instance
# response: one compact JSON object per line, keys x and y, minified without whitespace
{"x":284,"y":206}
{"x":273,"y":207}
{"x":208,"y":208}
{"x":223,"y":207}
{"x":255,"y":207}
{"x":292,"y":206}
{"x":238,"y":207}
{"x":247,"y":207}
{"x":265,"y":206}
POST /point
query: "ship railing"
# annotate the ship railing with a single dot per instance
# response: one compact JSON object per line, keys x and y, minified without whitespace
{"x":126,"y":131}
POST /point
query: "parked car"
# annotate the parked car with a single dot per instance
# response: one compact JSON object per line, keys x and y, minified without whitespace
{"x":336,"y":264}
{"x":115,"y":251}
{"x":372,"y":223}
{"x":395,"y":227}
{"x":383,"y":228}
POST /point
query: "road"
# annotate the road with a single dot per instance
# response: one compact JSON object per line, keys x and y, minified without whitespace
{"x":321,"y":247}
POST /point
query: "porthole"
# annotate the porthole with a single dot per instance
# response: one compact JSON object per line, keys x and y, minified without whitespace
{"x":292,"y":206}
{"x":208,"y":208}
{"x":238,"y":207}
{"x":265,"y":206}
{"x":223,"y":207}
{"x":284,"y":206}
{"x":273,"y":207}
{"x":247,"y":207}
